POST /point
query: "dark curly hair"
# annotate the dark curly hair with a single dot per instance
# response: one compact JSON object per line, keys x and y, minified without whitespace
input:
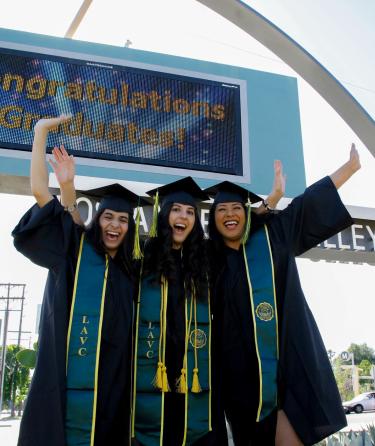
{"x":159,"y":260}
{"x":124,"y":254}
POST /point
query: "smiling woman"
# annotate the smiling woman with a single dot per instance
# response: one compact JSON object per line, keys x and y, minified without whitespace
{"x":87,"y":309}
{"x":172,"y":364}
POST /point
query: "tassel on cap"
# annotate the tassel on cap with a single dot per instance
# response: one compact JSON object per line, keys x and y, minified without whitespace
{"x":181,"y":382}
{"x":246,"y":233}
{"x":154,"y":226}
{"x":196,"y":387}
{"x":137,"y":252}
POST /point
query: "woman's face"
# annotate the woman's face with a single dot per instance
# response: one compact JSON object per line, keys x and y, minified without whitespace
{"x":230,"y":219}
{"x":114,"y":226}
{"x":181,"y":220}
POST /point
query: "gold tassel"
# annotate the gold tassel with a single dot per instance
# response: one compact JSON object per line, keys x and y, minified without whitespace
{"x":246,"y":233}
{"x":158,"y":381}
{"x":196,"y":387}
{"x":137,"y":252}
{"x":154,"y":227}
{"x":165,"y":385}
{"x":181,"y":382}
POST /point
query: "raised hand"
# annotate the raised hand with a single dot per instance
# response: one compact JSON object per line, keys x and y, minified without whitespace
{"x":63,"y":165}
{"x":354,"y":160}
{"x":48,"y":124}
{"x":278,"y":189}
{"x":343,"y":173}
{"x":277,"y":192}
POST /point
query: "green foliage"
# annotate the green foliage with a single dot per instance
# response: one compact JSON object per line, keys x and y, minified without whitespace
{"x":371,"y":431}
{"x":366,"y":437}
{"x":343,"y":380}
{"x":361,"y":352}
{"x":17,"y":377}
{"x":27,"y":358}
{"x":365,"y":366}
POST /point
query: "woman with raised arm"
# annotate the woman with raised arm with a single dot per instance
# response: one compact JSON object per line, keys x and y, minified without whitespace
{"x":80,"y":392}
{"x":276,"y":380}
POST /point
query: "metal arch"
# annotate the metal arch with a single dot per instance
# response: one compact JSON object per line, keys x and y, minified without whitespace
{"x":302,"y":62}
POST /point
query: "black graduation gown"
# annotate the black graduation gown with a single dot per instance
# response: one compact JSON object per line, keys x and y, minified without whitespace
{"x":174,"y":403}
{"x":307,"y":389}
{"x":49,"y":238}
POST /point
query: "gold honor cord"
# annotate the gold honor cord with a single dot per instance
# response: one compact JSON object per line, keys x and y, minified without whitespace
{"x":163,"y":329}
{"x":73,"y":301}
{"x":185,"y":366}
{"x":274,"y":291}
{"x":255,"y":334}
{"x":195,"y":387}
{"x":136,"y":354}
{"x":98,"y":351}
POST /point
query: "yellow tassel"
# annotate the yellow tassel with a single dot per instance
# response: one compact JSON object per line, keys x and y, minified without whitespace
{"x":165,"y":385}
{"x":196,"y":387}
{"x":137,"y":252}
{"x":181,"y":382}
{"x":158,"y":380}
{"x":246,"y":233}
{"x":154,"y":227}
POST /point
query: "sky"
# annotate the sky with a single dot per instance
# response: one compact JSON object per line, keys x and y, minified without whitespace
{"x":339,"y":33}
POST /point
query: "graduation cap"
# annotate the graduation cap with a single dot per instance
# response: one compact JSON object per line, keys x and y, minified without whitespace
{"x":120,"y":199}
{"x":115,"y":197}
{"x":227,"y":192}
{"x":184,"y":191}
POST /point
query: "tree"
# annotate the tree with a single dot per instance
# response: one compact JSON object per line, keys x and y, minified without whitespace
{"x":361,"y":352}
{"x":365,"y":367}
{"x":16,"y":379}
{"x":343,"y":378}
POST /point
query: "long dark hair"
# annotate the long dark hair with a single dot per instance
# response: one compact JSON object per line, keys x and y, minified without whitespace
{"x":159,"y":260}
{"x":216,"y":246}
{"x":124,"y":254}
{"x":216,"y":242}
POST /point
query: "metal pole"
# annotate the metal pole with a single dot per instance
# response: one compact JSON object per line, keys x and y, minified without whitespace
{"x":4,"y":350}
{"x":15,"y":370}
{"x":78,"y":19}
{"x":354,"y":384}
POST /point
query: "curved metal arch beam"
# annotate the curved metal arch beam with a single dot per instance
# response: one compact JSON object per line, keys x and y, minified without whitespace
{"x":303,"y":63}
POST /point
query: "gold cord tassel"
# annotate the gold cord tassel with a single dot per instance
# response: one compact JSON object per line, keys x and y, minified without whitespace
{"x":137,"y":252}
{"x":196,"y":387}
{"x":165,"y":384}
{"x":181,"y":382}
{"x":246,"y":233}
{"x":158,"y":381}
{"x":154,"y":227}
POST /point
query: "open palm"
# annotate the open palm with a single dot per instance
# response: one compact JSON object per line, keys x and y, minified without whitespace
{"x":63,"y":165}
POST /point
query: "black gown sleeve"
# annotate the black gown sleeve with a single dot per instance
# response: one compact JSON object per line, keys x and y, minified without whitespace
{"x":312,"y":217}
{"x":46,"y":235}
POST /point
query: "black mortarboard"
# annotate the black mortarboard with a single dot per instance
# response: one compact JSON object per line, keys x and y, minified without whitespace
{"x":227,"y":192}
{"x":184,"y":191}
{"x":115,"y":197}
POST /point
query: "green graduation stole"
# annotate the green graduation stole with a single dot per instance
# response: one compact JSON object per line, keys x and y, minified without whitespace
{"x":83,"y":345}
{"x":150,"y":373}
{"x":260,"y":276}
